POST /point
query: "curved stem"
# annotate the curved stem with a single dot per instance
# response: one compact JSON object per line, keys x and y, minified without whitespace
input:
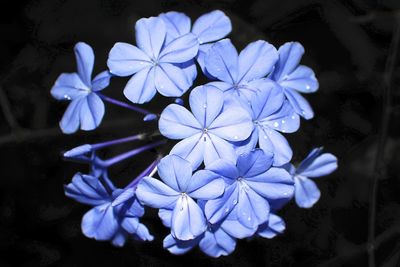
{"x":117,"y":141}
{"x":149,"y":171}
{"x":379,"y":159}
{"x":123,"y":104}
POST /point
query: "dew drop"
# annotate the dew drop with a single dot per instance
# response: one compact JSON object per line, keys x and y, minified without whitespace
{"x":248,"y":218}
{"x":236,"y":137}
{"x":276,"y":124}
{"x":308,"y":87}
{"x":293,"y":117}
{"x":67,"y":97}
{"x":226,"y":210}
{"x":283,"y":121}
{"x":285,"y":194}
{"x":204,"y":105}
{"x":234,"y":201}
{"x":265,"y":137}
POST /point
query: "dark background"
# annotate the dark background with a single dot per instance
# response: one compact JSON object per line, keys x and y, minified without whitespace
{"x":347,"y":44}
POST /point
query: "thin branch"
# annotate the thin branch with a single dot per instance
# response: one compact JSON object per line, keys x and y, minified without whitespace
{"x":379,"y":159}
{"x":360,"y":249}
{"x":6,"y":108}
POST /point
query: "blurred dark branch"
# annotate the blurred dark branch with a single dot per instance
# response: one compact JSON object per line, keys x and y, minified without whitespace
{"x":363,"y":248}
{"x":375,"y":15}
{"x":6,"y":109}
{"x":379,"y":164}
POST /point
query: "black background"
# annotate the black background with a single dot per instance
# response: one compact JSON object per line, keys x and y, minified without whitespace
{"x":347,"y":44}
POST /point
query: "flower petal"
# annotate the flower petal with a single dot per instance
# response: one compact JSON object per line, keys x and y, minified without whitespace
{"x":217,"y":148}
{"x":140,"y":88}
{"x":306,"y":192}
{"x":299,"y":104}
{"x":85,"y":61}
{"x":175,"y":172}
{"x":71,"y":118}
{"x":125,"y":59}
{"x":272,"y":141}
{"x":180,"y":50}
{"x":267,"y":100}
{"x":177,"y":24}
{"x":150,"y":35}
{"x":234,"y":228}
{"x":178,"y":247}
{"x":201,"y":58}
{"x":254,"y":163}
{"x":91,"y":112}
{"x":247,"y":145}
{"x":100,"y":223}
{"x":206,"y":104}
{"x":218,"y":243}
{"x":191,"y":149}
{"x":322,"y":165}
{"x":301,"y":79}
{"x":176,"y":122}
{"x":256,"y":60}
{"x":222,"y":61}
{"x":224,"y":168}
{"x":188,"y":220}
{"x":251,"y":209}
{"x":212,"y":26}
{"x":101,"y":81}
{"x":217,"y":209}
{"x":154,"y":193}
{"x":205,"y":185}
{"x":289,"y":57}
{"x":166,"y":217}
{"x":171,"y":80}
{"x":284,"y":120}
{"x":233,"y":124}
{"x":275,"y":225}
{"x":68,"y":86}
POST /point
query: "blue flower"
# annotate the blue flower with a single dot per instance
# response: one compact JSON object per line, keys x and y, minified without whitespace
{"x":116,"y":212}
{"x":250,"y":185}
{"x":154,"y":65}
{"x":86,"y":108}
{"x":240,"y":75}
{"x":207,"y":28}
{"x":295,"y":78}
{"x":176,"y":192}
{"x":208,"y":130}
{"x":313,"y":166}
{"x":271,"y":114}
{"x":274,"y":226}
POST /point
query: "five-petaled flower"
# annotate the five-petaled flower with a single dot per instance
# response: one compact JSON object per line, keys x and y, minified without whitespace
{"x":313,"y":166}
{"x":86,"y":108}
{"x":295,"y":78}
{"x":153,"y":64}
{"x":209,"y":130}
{"x":176,"y":192}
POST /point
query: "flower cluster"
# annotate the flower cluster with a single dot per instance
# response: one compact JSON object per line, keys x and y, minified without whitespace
{"x":228,"y":172}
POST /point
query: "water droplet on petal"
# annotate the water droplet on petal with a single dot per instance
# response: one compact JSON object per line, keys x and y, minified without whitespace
{"x":293,"y":117}
{"x":276,"y":124}
{"x":308,"y":87}
{"x":234,"y":201}
{"x":283,"y":121}
{"x":236,"y":137}
{"x":265,"y":137}
{"x":67,"y":97}
{"x":204,"y":105}
{"x":248,"y":218}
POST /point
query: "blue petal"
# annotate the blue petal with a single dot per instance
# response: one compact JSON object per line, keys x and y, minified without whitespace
{"x":302,"y":79}
{"x":71,"y":118}
{"x":272,"y":141}
{"x":284,"y":120}
{"x":78,"y":151}
{"x":91,"y":112}
{"x":67,"y":87}
{"x":235,"y":229}
{"x":224,"y":168}
{"x":212,"y":26}
{"x":170,"y":80}
{"x":178,"y":247}
{"x":247,"y":145}
{"x":87,"y":189}
{"x":119,"y":238}
{"x":201,"y":57}
{"x":306,"y":192}
{"x":320,"y":166}
{"x":100,"y":223}
{"x":177,"y":24}
{"x":254,"y":163}
{"x":218,"y":243}
{"x":217,"y":148}
{"x":256,"y":60}
{"x":154,"y":193}
{"x":233,"y":124}
{"x":188,"y":220}
{"x":206,"y":104}
{"x":205,"y":185}
{"x":85,"y":61}
{"x":165,"y":216}
{"x":143,"y":234}
{"x":275,"y":225}
{"x":180,"y":50}
{"x":175,"y":172}
{"x":101,"y":81}
{"x":176,"y":122}
{"x":274,"y":184}
{"x":299,"y":104}
{"x":217,"y":209}
{"x":289,"y":57}
{"x":190,"y":69}
{"x":267,"y":101}
{"x":140,"y":88}
{"x":222,"y":61}
{"x":150,"y":35}
{"x":125,"y":59}
{"x":251,"y":209}
{"x":224,"y":86}
{"x":122,"y":196}
{"x":133,"y":226}
{"x":191,"y":149}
